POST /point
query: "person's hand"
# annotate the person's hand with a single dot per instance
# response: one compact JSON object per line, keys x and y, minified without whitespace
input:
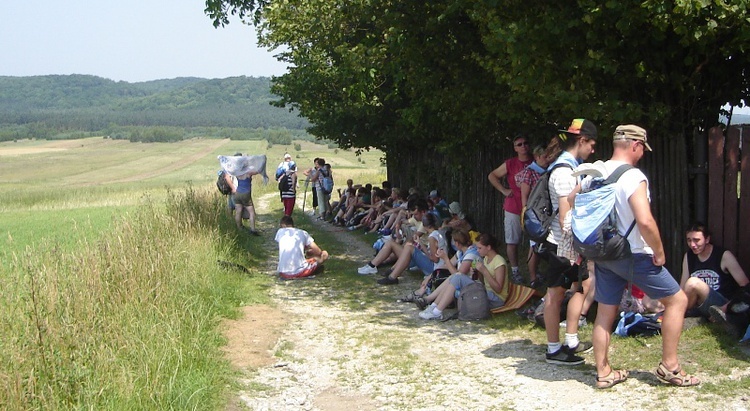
{"x":479,"y":265}
{"x":659,"y":259}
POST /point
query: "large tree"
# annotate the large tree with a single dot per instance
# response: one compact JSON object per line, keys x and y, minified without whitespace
{"x":394,"y":74}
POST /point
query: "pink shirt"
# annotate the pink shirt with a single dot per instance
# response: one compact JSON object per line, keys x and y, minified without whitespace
{"x":514,"y":166}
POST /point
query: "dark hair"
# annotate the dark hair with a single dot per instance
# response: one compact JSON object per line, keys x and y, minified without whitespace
{"x":699,"y":227}
{"x":461,"y":237}
{"x":380,"y":193}
{"x":562,"y":142}
{"x":386,"y":185}
{"x":321,"y":162}
{"x":430,"y":220}
{"x":419,"y":204}
{"x":287,"y":221}
{"x":488,"y":240}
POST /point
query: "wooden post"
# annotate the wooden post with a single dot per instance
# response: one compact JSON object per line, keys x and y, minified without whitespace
{"x":743,"y":246}
{"x":732,"y":157}
{"x":716,"y":184}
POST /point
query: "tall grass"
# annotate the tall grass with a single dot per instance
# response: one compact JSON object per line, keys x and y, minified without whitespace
{"x":128,"y":321}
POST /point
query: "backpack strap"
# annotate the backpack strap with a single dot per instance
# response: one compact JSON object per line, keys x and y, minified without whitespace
{"x":619,"y":171}
{"x":555,"y":167}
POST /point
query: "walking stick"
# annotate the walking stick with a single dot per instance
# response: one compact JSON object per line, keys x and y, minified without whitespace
{"x":304,"y":196}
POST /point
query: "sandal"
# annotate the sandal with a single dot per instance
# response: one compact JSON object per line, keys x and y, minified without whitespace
{"x":409,"y":298}
{"x":613,"y":378}
{"x":677,"y":377}
{"x":421,"y":303}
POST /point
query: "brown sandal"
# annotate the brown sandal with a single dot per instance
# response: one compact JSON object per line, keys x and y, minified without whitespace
{"x":613,"y":378}
{"x":677,"y":377}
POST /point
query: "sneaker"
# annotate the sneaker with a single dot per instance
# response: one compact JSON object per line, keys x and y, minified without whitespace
{"x":516,"y":277}
{"x":352,"y":228}
{"x":388,"y":281}
{"x":428,"y":314}
{"x":366,"y":270}
{"x":564,"y":357}
{"x":582,"y":348}
{"x":581,"y":322}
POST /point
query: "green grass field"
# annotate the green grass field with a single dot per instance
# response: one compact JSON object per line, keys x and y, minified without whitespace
{"x":109,"y":286}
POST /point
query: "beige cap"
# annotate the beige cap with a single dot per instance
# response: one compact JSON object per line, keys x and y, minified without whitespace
{"x":632,"y":132}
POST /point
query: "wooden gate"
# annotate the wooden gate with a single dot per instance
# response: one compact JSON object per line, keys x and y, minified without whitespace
{"x":729,"y":190}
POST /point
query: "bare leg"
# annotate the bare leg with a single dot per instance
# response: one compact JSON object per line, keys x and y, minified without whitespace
{"x":671,"y":328}
{"x":389,"y":248}
{"x":552,"y":304}
{"x":251,"y":220}
{"x":238,"y":215}
{"x":404,"y":259}
{"x":512,"y":250}
{"x":533,"y":264}
{"x":605,"y":318}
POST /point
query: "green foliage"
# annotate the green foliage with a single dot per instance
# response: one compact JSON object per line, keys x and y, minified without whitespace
{"x":456,"y":75}
{"x":42,"y":106}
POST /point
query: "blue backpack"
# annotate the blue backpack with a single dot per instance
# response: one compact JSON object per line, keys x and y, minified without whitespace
{"x":594,"y":221}
{"x":327,"y":182}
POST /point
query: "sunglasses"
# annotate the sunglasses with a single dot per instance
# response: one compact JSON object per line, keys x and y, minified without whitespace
{"x":525,"y":143}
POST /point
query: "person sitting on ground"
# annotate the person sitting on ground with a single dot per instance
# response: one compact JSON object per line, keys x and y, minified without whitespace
{"x":458,"y":219}
{"x":299,"y":256}
{"x":491,"y":274}
{"x":711,"y":275}
{"x":412,"y":253}
{"x":440,"y":205}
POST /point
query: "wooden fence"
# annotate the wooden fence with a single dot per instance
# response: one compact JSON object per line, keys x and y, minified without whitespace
{"x":729,"y":190}
{"x":466,"y":182}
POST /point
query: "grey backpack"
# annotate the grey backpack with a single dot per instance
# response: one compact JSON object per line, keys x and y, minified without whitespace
{"x":473,"y":303}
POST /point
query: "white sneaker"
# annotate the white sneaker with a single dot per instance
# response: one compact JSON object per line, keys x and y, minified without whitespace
{"x":428,"y":314}
{"x":366,"y":269}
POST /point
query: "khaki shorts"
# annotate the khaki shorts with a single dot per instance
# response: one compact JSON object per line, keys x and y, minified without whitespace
{"x":245,"y":199}
{"x":513,"y":233}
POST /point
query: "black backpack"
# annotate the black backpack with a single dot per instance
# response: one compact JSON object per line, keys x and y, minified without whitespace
{"x":284,"y":182}
{"x":222,"y":184}
{"x":539,"y":211}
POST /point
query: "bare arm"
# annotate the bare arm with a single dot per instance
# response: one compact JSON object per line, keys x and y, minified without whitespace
{"x":563,"y":209}
{"x":496,"y":279}
{"x":729,"y":263}
{"x":646,"y":223}
{"x":495,"y":178}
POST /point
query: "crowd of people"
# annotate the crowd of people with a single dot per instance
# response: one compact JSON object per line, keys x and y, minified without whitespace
{"x":426,"y":233}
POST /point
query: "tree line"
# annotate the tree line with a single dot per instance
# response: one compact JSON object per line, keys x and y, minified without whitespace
{"x":58,"y":106}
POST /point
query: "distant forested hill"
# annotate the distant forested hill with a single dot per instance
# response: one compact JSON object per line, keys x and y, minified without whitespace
{"x":90,"y":103}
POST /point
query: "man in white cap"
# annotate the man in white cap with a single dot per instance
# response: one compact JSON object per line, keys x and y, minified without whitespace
{"x":284,"y":166}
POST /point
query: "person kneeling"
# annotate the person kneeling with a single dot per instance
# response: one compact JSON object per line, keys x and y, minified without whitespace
{"x":299,"y":256}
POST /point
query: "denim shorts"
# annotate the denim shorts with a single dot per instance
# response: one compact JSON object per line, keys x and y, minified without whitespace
{"x":612,"y":278}
{"x":714,"y":298}
{"x":421,"y":260}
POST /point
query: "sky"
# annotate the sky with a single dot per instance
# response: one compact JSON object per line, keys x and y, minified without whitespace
{"x":131,"y":40}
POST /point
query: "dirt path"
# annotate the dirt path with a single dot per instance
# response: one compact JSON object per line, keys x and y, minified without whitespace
{"x":382,"y":357}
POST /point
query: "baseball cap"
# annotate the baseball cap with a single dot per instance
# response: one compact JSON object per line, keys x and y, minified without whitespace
{"x":434,"y":193}
{"x":580,"y":126}
{"x":631,"y":132}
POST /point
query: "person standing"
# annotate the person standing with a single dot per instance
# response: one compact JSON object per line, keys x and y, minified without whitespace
{"x":243,"y":201}
{"x":288,"y":189}
{"x":285,"y":165}
{"x":512,"y":203}
{"x":568,"y":149}
{"x":311,"y":175}
{"x":644,"y":268}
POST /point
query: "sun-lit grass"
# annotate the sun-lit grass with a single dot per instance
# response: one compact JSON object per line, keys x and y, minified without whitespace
{"x":110,"y":289}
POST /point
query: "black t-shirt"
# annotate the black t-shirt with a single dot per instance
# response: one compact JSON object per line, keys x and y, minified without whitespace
{"x":711,"y":273}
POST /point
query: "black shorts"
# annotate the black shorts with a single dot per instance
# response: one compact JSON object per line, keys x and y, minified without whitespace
{"x":560,"y":273}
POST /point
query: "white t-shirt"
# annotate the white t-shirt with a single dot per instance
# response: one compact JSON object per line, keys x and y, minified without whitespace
{"x":561,"y":183}
{"x":626,"y":186}
{"x":442,"y":244}
{"x":292,"y":242}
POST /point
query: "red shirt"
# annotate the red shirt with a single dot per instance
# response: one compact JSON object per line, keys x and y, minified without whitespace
{"x":514,"y":166}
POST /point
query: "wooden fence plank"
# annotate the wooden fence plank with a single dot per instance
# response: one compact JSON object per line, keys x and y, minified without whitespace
{"x":732,"y":156}
{"x":743,"y":240}
{"x":716,"y":183}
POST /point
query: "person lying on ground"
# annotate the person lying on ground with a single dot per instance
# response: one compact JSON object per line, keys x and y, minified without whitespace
{"x":299,"y":256}
{"x":461,"y":276}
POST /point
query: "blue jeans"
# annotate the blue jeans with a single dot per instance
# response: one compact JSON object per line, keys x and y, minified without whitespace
{"x":612,"y":277}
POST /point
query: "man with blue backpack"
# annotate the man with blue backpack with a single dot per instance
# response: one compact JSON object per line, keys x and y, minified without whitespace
{"x":632,"y":253}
